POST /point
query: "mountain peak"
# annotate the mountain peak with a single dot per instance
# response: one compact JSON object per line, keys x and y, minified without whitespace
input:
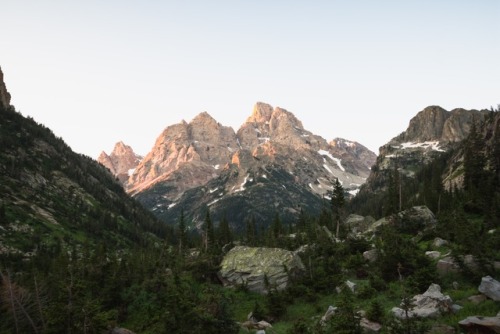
{"x":121,"y":162}
{"x":279,"y":115}
{"x":427,"y":124}
{"x":203,"y":117}
{"x":4,"y":94}
{"x":262,"y":113}
{"x":121,"y":149}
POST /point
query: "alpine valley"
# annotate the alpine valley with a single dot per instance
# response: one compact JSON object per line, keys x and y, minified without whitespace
{"x":267,"y":229}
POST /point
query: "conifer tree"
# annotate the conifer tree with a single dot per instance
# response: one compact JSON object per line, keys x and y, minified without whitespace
{"x":394,"y":201}
{"x":225,"y":234}
{"x":277,"y":228}
{"x":474,"y":160}
{"x":182,"y":233}
{"x":208,"y":233}
{"x":3,"y":215}
{"x":251,"y":231}
{"x":337,"y":203}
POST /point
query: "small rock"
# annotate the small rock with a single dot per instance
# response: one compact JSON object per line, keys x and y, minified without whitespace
{"x":118,"y":330}
{"x":456,"y":308}
{"x":352,"y":286}
{"x":438,"y":243}
{"x":370,"y":326}
{"x":441,"y":329}
{"x":447,"y":265}
{"x":477,"y":299}
{"x":455,"y":285}
{"x":329,"y":314}
{"x":433,"y":254}
{"x":371,"y":255}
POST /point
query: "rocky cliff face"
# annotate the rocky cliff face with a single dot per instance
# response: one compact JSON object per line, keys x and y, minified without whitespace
{"x":431,"y":133}
{"x":121,"y":162}
{"x":4,"y":94}
{"x":271,"y":161}
{"x":436,"y":124}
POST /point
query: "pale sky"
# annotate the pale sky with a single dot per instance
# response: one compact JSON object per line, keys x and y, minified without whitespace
{"x":97,"y":72}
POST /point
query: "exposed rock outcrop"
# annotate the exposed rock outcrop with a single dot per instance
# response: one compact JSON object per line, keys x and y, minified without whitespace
{"x":414,"y":218}
{"x":260,"y":269}
{"x":121,"y":162}
{"x":430,"y":304}
{"x":4,"y":94}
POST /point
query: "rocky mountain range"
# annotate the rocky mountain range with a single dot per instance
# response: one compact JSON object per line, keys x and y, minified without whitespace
{"x":271,"y":164}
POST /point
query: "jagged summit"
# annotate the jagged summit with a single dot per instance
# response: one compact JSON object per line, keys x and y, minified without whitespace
{"x":272,"y":124}
{"x":185,"y":155}
{"x":121,"y":162}
{"x":4,"y":94}
{"x":261,"y":113}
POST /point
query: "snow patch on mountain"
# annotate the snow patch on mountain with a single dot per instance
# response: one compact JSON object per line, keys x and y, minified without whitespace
{"x":242,"y":185}
{"x":213,"y":202}
{"x":337,"y":160}
{"x":434,"y":145}
{"x":328,"y":168}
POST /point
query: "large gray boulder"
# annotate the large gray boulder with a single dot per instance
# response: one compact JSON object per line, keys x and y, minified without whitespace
{"x":260,"y":269}
{"x":430,"y":304}
{"x":417,"y":217}
{"x":414,"y":218}
{"x":358,"y":224}
{"x":490,"y":287}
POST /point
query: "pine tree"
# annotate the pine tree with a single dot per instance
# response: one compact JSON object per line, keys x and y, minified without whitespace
{"x":225,"y":234}
{"x":337,"y":203}
{"x":182,"y":233}
{"x":277,"y":227}
{"x":394,"y":201}
{"x":251,"y":231}
{"x":474,"y":160}
{"x":3,"y":215}
{"x":301,"y":221}
{"x":208,"y":233}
